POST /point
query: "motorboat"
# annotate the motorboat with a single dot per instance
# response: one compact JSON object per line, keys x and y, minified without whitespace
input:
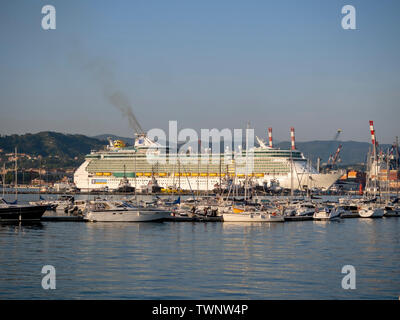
{"x":108,"y":211}
{"x":62,"y":204}
{"x":328,"y":213}
{"x":77,"y":208}
{"x":390,"y":210}
{"x":17,"y":212}
{"x":370,"y":211}
{"x":300,"y":209}
{"x":42,"y":202}
{"x":234,"y":214}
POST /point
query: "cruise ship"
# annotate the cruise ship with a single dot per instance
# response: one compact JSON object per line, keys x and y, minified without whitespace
{"x":104,"y":169}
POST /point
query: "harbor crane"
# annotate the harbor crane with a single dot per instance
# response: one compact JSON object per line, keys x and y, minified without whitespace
{"x":334,"y":158}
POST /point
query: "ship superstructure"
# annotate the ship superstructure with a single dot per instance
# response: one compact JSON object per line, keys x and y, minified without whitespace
{"x":189,"y":171}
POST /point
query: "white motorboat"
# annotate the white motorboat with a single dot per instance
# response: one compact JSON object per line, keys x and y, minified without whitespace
{"x":328,"y":213}
{"x":305,"y":209}
{"x":63,"y":203}
{"x":370,"y":211}
{"x":107,"y":211}
{"x":238,"y":215}
{"x":78,"y":207}
{"x":300,"y":209}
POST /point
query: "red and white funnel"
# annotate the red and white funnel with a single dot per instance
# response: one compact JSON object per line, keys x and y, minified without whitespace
{"x":292,"y":138}
{"x":270,"y":137}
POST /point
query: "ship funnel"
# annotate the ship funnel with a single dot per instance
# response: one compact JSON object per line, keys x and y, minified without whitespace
{"x":270,"y":137}
{"x":292,"y":138}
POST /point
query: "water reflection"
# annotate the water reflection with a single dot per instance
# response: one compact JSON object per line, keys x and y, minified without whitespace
{"x":21,"y":225}
{"x":298,"y":260}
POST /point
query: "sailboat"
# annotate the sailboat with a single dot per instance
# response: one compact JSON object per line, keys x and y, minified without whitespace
{"x":370,"y":209}
{"x":250,"y":213}
{"x":18,"y":212}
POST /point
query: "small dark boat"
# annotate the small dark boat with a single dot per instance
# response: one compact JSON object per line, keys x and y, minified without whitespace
{"x":16,"y":212}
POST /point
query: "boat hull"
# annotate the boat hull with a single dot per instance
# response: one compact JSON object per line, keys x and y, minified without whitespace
{"x":324,"y":216}
{"x":22,"y":213}
{"x":251,"y":217}
{"x":126,"y":216}
{"x":371,"y":213}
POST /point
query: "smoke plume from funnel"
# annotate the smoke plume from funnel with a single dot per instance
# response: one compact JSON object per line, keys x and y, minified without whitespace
{"x":100,"y":71}
{"x":121,"y":102}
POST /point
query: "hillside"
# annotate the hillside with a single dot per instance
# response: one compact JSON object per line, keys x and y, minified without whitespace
{"x":56,"y":149}
{"x":50,"y":143}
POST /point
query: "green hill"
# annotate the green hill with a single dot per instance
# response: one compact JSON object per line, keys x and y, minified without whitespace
{"x":50,"y":143}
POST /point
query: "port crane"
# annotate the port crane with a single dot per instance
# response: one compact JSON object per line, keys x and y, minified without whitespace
{"x":335,"y":158}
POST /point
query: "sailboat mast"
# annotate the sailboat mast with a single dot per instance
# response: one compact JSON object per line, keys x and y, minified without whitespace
{"x":387,"y":178}
{"x":220,"y":174}
{"x":247,"y":164}
{"x":179,"y":172}
{"x":4,"y":177}
{"x":291,"y":173}
{"x":16,"y":175}
{"x":397,"y":166}
{"x":135,"y":173}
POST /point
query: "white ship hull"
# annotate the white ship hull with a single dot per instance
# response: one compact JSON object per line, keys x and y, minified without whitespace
{"x":86,"y":183}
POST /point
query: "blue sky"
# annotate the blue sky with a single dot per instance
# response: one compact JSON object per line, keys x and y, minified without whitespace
{"x":206,"y":64}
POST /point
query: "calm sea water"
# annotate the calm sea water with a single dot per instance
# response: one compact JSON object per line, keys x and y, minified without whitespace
{"x":169,"y":260}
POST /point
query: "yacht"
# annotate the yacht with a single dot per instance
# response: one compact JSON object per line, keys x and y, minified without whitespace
{"x":328,"y":213}
{"x":370,"y":211}
{"x":391,"y":210}
{"x":63,"y":203}
{"x":300,"y":209}
{"x":233,"y":214}
{"x":16,"y":212}
{"x":108,"y":211}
